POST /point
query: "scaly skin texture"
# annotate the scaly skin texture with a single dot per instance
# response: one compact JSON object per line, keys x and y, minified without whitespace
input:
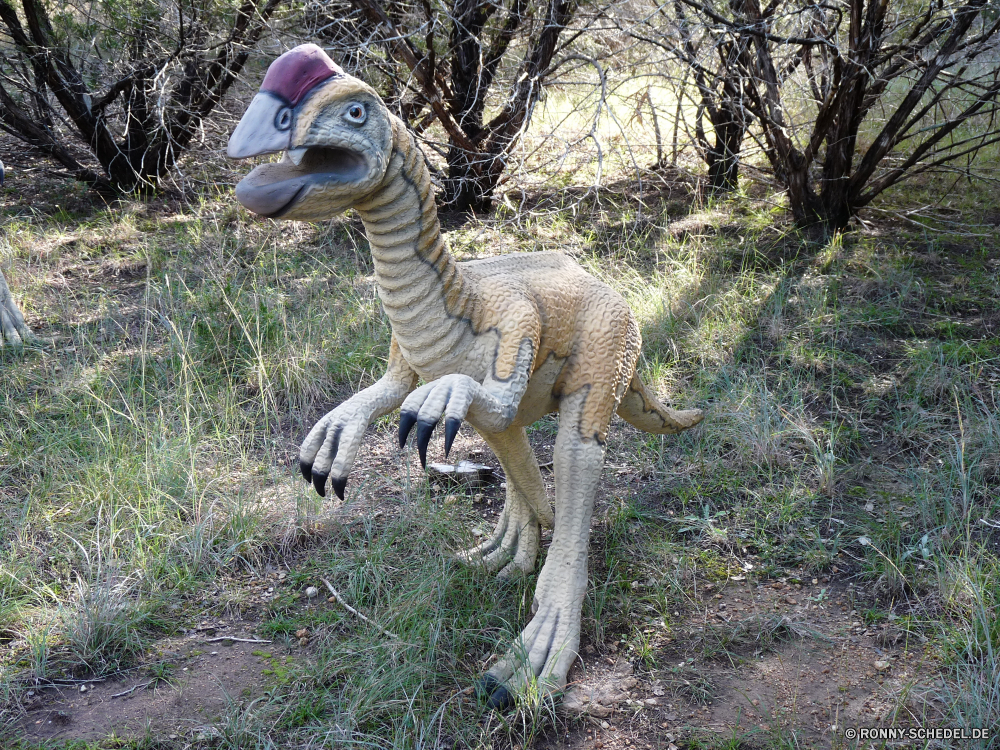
{"x":13,"y":330}
{"x":498,"y":342}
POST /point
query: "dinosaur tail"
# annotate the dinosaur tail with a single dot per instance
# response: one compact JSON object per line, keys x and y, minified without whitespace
{"x":640,"y":408}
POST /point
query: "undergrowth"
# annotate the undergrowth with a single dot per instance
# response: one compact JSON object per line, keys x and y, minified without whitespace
{"x":147,"y":456}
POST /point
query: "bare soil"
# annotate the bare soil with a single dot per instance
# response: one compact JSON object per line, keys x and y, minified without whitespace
{"x":835,"y":673}
{"x":205,"y":676}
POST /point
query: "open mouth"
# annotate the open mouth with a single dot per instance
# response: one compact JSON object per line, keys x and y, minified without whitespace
{"x":272,"y":190}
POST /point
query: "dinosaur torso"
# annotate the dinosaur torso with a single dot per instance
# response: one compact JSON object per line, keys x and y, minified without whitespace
{"x":450,"y":317}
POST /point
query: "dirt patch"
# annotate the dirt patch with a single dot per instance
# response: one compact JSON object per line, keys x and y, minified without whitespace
{"x":183,"y":697}
{"x":757,"y":661}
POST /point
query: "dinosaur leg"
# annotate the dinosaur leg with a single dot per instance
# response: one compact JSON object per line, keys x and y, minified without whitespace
{"x":548,"y":645}
{"x":13,"y":330}
{"x":513,"y":546}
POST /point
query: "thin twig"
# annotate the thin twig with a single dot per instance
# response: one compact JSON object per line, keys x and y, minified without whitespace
{"x":233,"y":638}
{"x":133,"y":689}
{"x":353,"y":611}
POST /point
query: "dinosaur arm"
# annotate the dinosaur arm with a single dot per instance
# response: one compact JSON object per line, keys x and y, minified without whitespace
{"x":490,"y":405}
{"x":332,"y":445}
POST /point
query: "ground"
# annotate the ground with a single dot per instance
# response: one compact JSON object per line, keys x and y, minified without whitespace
{"x":820,"y":554}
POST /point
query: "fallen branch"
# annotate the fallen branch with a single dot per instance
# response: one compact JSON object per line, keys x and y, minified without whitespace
{"x":133,"y":689}
{"x":353,"y":611}
{"x":234,"y":638}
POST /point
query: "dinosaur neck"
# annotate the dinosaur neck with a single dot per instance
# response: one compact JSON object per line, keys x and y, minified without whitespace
{"x":423,"y":290}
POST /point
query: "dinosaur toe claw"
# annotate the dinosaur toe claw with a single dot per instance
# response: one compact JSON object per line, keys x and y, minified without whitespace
{"x":307,"y":470}
{"x":496,"y":695}
{"x":451,"y":425}
{"x":319,"y":482}
{"x":338,"y":484}
{"x":424,"y":430}
{"x":406,"y":421}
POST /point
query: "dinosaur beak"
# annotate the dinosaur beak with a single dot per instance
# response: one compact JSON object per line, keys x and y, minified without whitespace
{"x":265,"y":128}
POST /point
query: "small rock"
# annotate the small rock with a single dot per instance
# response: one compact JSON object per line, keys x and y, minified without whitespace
{"x":312,"y":592}
{"x":465,"y":472}
{"x":882,"y":665}
{"x":605,"y":725}
{"x":332,"y":599}
{"x":790,"y":600}
{"x":629,"y":683}
{"x":303,"y":633}
{"x":83,"y":688}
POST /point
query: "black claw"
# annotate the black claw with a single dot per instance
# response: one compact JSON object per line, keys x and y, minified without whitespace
{"x":319,"y":482}
{"x":424,"y":430}
{"x":501,"y":700}
{"x":338,"y":484}
{"x":307,"y":470}
{"x":490,"y":689}
{"x":451,"y":425}
{"x":406,"y":421}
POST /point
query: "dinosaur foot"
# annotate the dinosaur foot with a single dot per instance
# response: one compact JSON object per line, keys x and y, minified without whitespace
{"x":512,"y":548}
{"x":13,"y":330}
{"x":541,"y":658}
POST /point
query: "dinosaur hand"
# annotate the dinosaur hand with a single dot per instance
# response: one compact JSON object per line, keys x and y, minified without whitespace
{"x":449,"y":397}
{"x":332,"y":445}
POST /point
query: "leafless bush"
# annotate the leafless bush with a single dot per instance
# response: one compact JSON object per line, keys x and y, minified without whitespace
{"x":447,"y":64}
{"x":123,"y":83}
{"x":845,"y":99}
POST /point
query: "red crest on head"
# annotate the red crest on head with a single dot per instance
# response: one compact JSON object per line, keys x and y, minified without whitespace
{"x":298,"y":71}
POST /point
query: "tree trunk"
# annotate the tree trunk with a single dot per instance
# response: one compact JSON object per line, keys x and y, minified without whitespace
{"x":469,"y":187}
{"x":724,"y":157}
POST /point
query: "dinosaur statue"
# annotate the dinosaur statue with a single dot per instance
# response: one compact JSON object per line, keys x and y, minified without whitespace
{"x":13,"y":330}
{"x":498,"y":342}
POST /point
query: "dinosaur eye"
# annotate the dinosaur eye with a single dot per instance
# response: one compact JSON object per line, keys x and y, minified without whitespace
{"x":283,"y":120}
{"x":356,"y":113}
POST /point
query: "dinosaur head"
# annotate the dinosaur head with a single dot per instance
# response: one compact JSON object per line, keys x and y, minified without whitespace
{"x":334,"y":131}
